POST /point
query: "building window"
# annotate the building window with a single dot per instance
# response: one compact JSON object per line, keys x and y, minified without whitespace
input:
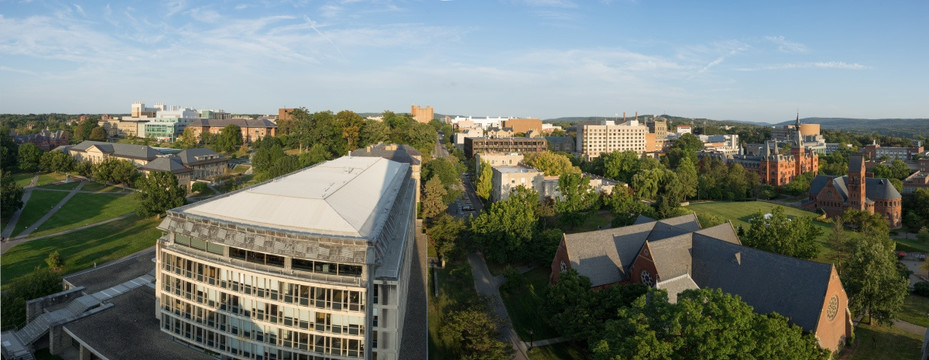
{"x":564,"y":267}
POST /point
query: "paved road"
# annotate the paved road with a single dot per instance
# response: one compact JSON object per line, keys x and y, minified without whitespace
{"x":8,"y":231}
{"x":487,"y":285}
{"x":49,"y":214}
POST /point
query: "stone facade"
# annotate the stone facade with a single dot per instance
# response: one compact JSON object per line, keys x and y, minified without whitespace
{"x":474,"y":146}
{"x":835,"y":195}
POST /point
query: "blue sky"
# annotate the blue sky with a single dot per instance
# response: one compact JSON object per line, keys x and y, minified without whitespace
{"x":744,"y":60}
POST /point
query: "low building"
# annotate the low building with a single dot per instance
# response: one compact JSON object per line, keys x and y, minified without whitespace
{"x":475,"y":131}
{"x":683,"y":129}
{"x":45,"y":140}
{"x":676,"y":254}
{"x":561,"y":143}
{"x":548,"y":129}
{"x":496,"y":159}
{"x":508,"y":178}
{"x":96,"y":151}
{"x":874,"y":151}
{"x":834,"y":195}
{"x":503,"y":145}
{"x":170,"y":164}
{"x":499,"y":132}
{"x":252,"y":130}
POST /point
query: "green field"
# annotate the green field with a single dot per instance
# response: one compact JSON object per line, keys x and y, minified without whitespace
{"x":81,"y":249}
{"x":40,"y":202}
{"x":98,"y":187}
{"x":239,"y":169}
{"x":456,"y":289}
{"x":915,"y":310}
{"x":63,"y":186}
{"x":885,"y":342}
{"x":85,"y":209}
{"x":48,"y":178}
{"x":740,"y":213}
{"x":524,"y":305}
{"x":23,"y":179}
{"x":560,"y":351}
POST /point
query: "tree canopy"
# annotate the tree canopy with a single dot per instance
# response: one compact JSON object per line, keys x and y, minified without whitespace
{"x":29,"y":157}
{"x":11,"y":195}
{"x":870,"y":277}
{"x":550,"y":163}
{"x":508,"y":225}
{"x":577,"y":198}
{"x":432,"y":202}
{"x":159,"y":192}
{"x":703,"y":324}
{"x":578,"y":311}
{"x":475,"y":331}
{"x":776,"y":233}
{"x":483,"y":183}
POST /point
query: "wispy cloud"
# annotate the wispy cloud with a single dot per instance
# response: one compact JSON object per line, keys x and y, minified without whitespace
{"x":808,"y":65}
{"x":551,"y":3}
{"x":786,"y":46}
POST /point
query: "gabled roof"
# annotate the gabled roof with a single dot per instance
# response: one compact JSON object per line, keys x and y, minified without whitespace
{"x":604,"y":256}
{"x":768,"y":282}
{"x":676,"y":285}
{"x":348,"y":196}
{"x":880,"y":189}
{"x":673,"y":256}
{"x":193,"y":156}
{"x":121,"y":150}
{"x":166,"y":163}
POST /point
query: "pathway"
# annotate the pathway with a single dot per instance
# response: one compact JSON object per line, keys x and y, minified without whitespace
{"x":18,"y":240}
{"x":49,"y":214}
{"x":86,"y":191}
{"x":488,"y":285}
{"x":910,"y":327}
{"x":8,"y":231}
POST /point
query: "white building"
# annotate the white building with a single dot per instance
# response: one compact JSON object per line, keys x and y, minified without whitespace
{"x":311,"y":265}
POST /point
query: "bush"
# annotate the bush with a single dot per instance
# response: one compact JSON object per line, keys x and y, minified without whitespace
{"x":923,"y":235}
{"x":199,"y":187}
{"x":513,"y":279}
{"x":921,"y":288}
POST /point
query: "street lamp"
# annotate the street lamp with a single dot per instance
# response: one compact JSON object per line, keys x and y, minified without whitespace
{"x":530,"y":339}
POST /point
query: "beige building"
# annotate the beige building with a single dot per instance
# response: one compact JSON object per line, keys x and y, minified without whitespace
{"x":420,"y":114}
{"x":252,"y":130}
{"x":523,"y":126}
{"x":496,"y":159}
{"x":190,"y":165}
{"x":96,"y":151}
{"x":312,"y":265}
{"x":593,"y":140}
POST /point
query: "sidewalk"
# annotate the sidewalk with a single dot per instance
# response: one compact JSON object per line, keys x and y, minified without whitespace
{"x":487,"y":285}
{"x":49,"y":214}
{"x":8,"y":231}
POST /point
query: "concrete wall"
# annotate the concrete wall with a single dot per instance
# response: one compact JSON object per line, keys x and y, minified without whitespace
{"x":36,"y":307}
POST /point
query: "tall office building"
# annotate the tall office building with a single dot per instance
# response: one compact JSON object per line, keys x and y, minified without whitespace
{"x":593,"y":140}
{"x":311,"y":265}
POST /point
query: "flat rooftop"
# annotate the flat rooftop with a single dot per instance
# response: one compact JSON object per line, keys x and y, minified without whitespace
{"x":348,"y":196}
{"x":129,"y":330}
{"x":514,"y":169}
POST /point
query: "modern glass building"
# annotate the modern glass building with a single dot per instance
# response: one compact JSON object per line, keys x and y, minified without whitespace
{"x":311,"y":265}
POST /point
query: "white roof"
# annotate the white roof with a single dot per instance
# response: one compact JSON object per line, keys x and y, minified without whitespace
{"x":339,"y":197}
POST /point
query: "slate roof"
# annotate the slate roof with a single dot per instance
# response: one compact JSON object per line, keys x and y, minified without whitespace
{"x":768,"y":282}
{"x":121,"y":150}
{"x":676,"y":285}
{"x":605,"y":256}
{"x":166,"y":163}
{"x":854,"y":164}
{"x":242,"y":123}
{"x":875,"y":188}
{"x":189,"y":157}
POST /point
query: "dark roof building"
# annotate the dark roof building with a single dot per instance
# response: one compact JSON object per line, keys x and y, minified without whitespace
{"x":45,"y":140}
{"x":834,"y":195}
{"x":675,"y":255}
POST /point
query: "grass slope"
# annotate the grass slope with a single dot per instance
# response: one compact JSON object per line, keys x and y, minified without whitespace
{"x":40,"y":202}
{"x":885,"y":342}
{"x":456,"y":288}
{"x":915,"y":310}
{"x":85,"y":209}
{"x":81,"y":249}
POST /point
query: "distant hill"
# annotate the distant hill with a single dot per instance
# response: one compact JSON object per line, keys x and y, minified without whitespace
{"x":672,"y":118}
{"x":892,"y":127}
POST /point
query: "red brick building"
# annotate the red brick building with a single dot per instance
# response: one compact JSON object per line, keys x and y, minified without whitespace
{"x":833,"y":195}
{"x":777,"y":169}
{"x":676,"y":254}
{"x":45,"y":140}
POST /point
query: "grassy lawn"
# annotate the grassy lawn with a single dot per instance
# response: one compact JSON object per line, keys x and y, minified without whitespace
{"x":98,"y":187}
{"x":241,"y":168}
{"x":741,"y":213}
{"x":560,"y":351}
{"x":40,"y":202}
{"x":524,"y":305}
{"x":885,"y":342}
{"x":45,"y":179}
{"x":23,"y":179}
{"x":456,"y":289}
{"x":595,"y":222}
{"x":85,"y":209}
{"x":66,"y":186}
{"x":80,"y":250}
{"x":915,"y":310}
{"x":911,"y":245}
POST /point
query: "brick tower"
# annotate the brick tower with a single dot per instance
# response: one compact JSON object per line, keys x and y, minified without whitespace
{"x":856,"y":186}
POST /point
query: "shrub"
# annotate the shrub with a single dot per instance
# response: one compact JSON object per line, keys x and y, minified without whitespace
{"x":921,"y":288}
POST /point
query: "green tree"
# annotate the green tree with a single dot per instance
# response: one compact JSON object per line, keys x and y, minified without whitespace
{"x":11,"y":195}
{"x":188,"y":138}
{"x":351,"y":124}
{"x":871,"y":279}
{"x":432,"y":202}
{"x":266,"y":156}
{"x":578,"y":311}
{"x":801,"y":184}
{"x":159,"y":192}
{"x":29,"y":157}
{"x":670,"y":195}
{"x":315,"y":155}
{"x":56,"y":161}
{"x":576,"y":198}
{"x":504,"y":229}
{"x":114,"y":170}
{"x":475,"y":332}
{"x":448,"y":170}
{"x":229,"y":139}
{"x":620,"y":165}
{"x":865,"y":222}
{"x":443,"y":235}
{"x":552,"y":164}
{"x":703,"y":324}
{"x":54,"y":260}
{"x":687,"y":175}
{"x":97,"y":134}
{"x":647,"y":182}
{"x":374,"y":132}
{"x":484,"y":182}
{"x":199,"y":187}
{"x":776,"y":233}
{"x":685,"y":146}
{"x":39,"y":283}
{"x":9,"y":151}
{"x":626,"y":208}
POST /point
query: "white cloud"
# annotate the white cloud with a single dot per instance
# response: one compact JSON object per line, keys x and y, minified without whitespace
{"x":785,"y":46}
{"x":808,"y":65}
